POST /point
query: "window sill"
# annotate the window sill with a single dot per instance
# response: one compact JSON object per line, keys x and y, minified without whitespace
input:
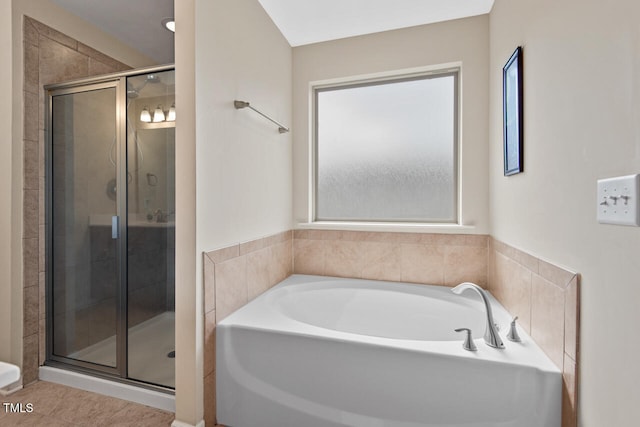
{"x":388,"y":227}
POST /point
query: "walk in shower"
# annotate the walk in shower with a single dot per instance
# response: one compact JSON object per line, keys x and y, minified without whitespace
{"x":110,"y":226}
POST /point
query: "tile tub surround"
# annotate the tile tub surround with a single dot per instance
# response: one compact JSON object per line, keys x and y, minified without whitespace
{"x":546,"y":299}
{"x":436,"y":259}
{"x":49,"y":57}
{"x":233,"y":276}
{"x":544,"y":296}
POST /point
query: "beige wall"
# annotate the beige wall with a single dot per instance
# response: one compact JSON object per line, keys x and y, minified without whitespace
{"x":581,"y":123}
{"x":237,"y":162}
{"x":188,"y":294}
{"x":10,"y":315}
{"x":462,"y":41}
{"x":243,"y":163}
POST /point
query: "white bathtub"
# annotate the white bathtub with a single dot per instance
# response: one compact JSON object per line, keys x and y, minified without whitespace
{"x":326,"y":352}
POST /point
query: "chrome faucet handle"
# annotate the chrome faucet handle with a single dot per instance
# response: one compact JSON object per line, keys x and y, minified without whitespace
{"x":468,"y":343}
{"x":513,"y":332}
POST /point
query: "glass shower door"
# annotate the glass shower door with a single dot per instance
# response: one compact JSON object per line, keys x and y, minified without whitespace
{"x":151,"y":227}
{"x":110,"y":226}
{"x":85,"y":260}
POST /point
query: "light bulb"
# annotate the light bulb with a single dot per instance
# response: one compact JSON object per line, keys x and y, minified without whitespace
{"x":169,"y":24}
{"x":145,"y":116}
{"x":158,"y":115}
{"x":171,"y":115}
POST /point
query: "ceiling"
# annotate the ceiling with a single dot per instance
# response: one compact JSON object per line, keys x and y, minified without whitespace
{"x":311,"y":21}
{"x":137,"y":23}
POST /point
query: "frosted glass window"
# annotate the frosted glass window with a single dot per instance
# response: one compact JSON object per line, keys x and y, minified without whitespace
{"x":386,"y":151}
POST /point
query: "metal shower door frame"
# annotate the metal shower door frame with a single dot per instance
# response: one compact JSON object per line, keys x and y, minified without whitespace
{"x":119,"y":82}
{"x":121,"y":211}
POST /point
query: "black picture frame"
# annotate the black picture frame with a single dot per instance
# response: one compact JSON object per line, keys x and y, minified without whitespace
{"x":512,"y":108}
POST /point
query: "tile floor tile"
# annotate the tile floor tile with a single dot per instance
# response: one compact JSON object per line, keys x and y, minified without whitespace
{"x":134,"y":415}
{"x":56,"y":405}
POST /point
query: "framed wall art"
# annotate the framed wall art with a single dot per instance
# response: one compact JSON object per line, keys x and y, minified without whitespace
{"x":512,"y":113}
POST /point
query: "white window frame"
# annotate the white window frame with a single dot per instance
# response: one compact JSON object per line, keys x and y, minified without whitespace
{"x":391,"y":77}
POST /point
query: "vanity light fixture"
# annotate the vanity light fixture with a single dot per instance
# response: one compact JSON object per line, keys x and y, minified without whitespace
{"x":171,"y":115}
{"x":169,"y":24}
{"x":145,"y":116}
{"x":158,"y":115}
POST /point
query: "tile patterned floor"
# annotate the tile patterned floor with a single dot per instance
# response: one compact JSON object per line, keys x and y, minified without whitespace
{"x":56,"y":405}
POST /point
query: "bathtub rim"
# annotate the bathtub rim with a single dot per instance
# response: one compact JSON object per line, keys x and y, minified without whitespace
{"x":259,"y":315}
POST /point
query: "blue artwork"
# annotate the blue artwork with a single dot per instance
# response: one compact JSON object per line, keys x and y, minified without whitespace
{"x":512,"y":109}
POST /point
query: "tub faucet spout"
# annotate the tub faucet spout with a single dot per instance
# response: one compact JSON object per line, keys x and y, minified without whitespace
{"x":491,"y":336}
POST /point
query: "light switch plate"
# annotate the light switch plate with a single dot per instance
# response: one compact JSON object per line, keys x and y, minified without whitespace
{"x":618,"y":200}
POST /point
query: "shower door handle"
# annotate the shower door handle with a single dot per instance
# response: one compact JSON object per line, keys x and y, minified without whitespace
{"x":114,"y":226}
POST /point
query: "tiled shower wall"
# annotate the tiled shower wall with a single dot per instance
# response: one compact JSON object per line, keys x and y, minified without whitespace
{"x":544,"y":296}
{"x":49,"y":57}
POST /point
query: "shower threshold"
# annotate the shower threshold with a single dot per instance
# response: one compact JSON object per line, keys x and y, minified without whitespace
{"x":149,"y":344}
{"x":119,"y":390}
